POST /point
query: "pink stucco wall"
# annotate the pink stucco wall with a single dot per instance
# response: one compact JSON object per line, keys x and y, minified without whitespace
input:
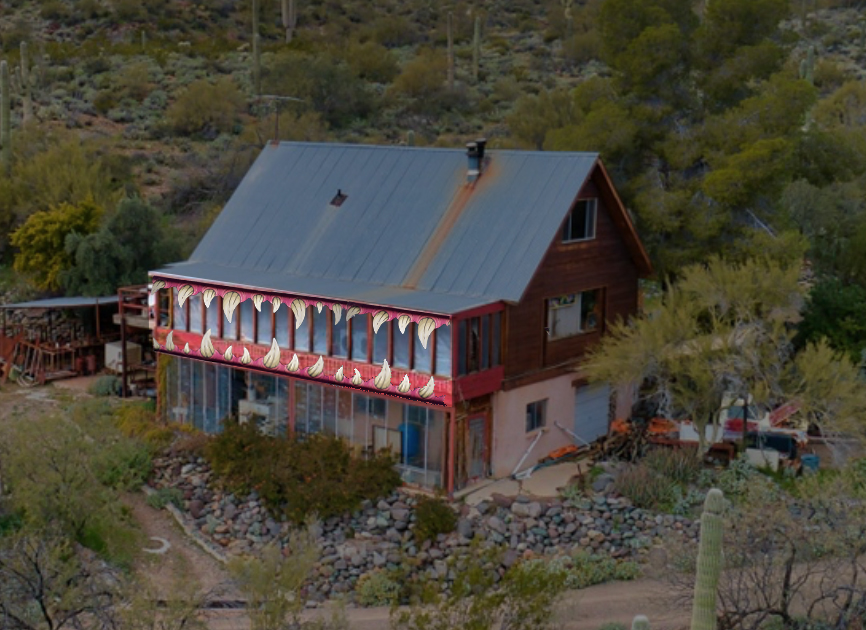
{"x":510,"y":439}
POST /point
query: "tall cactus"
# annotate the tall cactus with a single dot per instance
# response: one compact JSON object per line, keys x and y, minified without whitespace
{"x":807,"y":66}
{"x":257,"y":51}
{"x":709,"y":562}
{"x":5,"y":117}
{"x":410,"y":138}
{"x":476,"y":48}
{"x":26,"y":86}
{"x":290,"y":18}
{"x":450,"y":52}
{"x":640,"y":622}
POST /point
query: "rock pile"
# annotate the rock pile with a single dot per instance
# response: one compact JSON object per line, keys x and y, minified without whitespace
{"x":380,"y":534}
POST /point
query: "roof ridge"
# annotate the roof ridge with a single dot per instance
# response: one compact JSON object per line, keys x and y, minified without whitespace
{"x":395,"y":147}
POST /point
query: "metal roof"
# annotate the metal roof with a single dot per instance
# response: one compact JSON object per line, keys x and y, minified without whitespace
{"x":483,"y":242}
{"x":64,"y":302}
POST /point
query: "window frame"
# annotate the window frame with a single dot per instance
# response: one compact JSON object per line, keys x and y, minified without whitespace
{"x":591,"y":203}
{"x":532,"y":409}
{"x":577,"y":304}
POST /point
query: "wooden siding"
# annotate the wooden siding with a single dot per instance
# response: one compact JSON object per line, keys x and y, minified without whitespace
{"x":602,"y":263}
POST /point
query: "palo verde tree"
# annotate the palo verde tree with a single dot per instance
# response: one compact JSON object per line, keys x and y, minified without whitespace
{"x":728,"y":328}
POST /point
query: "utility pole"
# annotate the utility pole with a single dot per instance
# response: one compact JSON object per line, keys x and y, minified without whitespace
{"x":277,"y":100}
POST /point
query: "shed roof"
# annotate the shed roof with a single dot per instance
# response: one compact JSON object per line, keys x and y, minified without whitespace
{"x":63,"y":302}
{"x":411,"y":232}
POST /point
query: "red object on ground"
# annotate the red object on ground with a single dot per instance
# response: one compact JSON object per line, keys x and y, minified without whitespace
{"x":736,"y":424}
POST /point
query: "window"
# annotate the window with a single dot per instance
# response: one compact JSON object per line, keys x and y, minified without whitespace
{"x":497,"y":339}
{"x":573,"y":314}
{"x":443,"y":351}
{"x":360,"y":323}
{"x":213,"y":317}
{"x":474,"y":344}
{"x":246,"y":312}
{"x":195,"y":313}
{"x":302,"y":334}
{"x":485,"y":342}
{"x":580,"y":224}
{"x":164,"y":297}
{"x":421,"y":358}
{"x":264,"y":331}
{"x":536,"y":415}
{"x":401,"y":345}
{"x":461,"y":347}
{"x":180,"y":318}
{"x":320,"y":331}
{"x":281,"y":323}
{"x":340,"y":339}
{"x":380,"y":344}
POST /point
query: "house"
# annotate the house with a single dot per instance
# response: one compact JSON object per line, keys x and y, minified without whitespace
{"x":437,"y":301}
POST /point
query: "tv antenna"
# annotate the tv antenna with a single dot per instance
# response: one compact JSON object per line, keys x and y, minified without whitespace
{"x":277,"y":100}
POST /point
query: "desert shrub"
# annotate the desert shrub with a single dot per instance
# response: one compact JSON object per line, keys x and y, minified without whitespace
{"x":124,"y":465}
{"x":377,"y":588}
{"x":645,"y":487}
{"x":583,"y":569}
{"x":205,"y":108}
{"x":372,"y":62}
{"x":679,"y":465}
{"x":296,"y":478}
{"x":394,"y":32}
{"x":105,"y":385}
{"x":162,"y":497}
{"x":423,"y":80}
{"x":734,"y":480}
{"x":193,"y":443}
{"x":55,"y":10}
{"x":433,"y":516}
{"x":138,"y":421}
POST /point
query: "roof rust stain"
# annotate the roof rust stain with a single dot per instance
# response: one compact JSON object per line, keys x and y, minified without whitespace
{"x":446,"y":224}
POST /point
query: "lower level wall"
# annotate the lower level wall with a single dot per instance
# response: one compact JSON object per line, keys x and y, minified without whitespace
{"x":510,"y":438}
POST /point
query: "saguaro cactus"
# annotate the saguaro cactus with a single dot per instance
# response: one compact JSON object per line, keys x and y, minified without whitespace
{"x":26,"y":86}
{"x":257,"y":51}
{"x":476,"y":48}
{"x":290,"y":18}
{"x":709,"y":562}
{"x":807,"y":66}
{"x":5,"y":117}
{"x":640,"y":622}
{"x":410,"y":138}
{"x":450,"y":52}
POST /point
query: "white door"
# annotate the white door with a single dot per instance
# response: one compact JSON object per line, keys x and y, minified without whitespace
{"x":591,"y":411}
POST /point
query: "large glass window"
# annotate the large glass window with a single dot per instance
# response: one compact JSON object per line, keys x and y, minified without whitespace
{"x":443,"y":351}
{"x":265,"y":332}
{"x":401,"y":345}
{"x":184,"y":394}
{"x":282,"y":419}
{"x":246,"y":313}
{"x":329,"y":410}
{"x":211,"y":409}
{"x":380,"y":345}
{"x":180,"y":318}
{"x":422,"y":355}
{"x":360,"y":323}
{"x":198,"y":394}
{"x":421,"y":445}
{"x":340,"y":339}
{"x":212,"y":314}
{"x":344,"y":415}
{"x":320,"y":331}
{"x":573,"y":314}
{"x":301,"y":408}
{"x":281,"y":323}
{"x":196,"y":307}
{"x":224,"y":393}
{"x":302,"y":334}
{"x":314,"y":408}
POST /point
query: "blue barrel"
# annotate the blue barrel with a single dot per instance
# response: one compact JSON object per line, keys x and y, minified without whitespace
{"x":411,"y":439}
{"x":810,"y":462}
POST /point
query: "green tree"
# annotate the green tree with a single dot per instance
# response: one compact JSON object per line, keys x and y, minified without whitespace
{"x":130,"y":243}
{"x":422,"y":81}
{"x":326,"y":82}
{"x":722,"y":328}
{"x":206,"y":107}
{"x":41,"y":240}
{"x":536,"y":115}
{"x":834,"y":311}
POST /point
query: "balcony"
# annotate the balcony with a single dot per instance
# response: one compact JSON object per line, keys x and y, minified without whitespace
{"x":311,"y":340}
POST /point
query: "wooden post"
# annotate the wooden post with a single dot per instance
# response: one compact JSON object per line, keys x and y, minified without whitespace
{"x":452,"y":445}
{"x":122,"y":346}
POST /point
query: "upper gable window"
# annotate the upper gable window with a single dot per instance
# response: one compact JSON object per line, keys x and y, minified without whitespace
{"x":580,"y":224}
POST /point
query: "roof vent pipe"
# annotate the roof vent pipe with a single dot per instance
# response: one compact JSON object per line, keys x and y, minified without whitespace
{"x":473,"y":152}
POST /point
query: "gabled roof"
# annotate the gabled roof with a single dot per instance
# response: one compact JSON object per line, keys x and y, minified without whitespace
{"x":64,"y":302}
{"x":411,"y":233}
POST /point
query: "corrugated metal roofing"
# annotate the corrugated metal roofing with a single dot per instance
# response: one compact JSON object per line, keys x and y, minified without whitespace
{"x":64,"y":302}
{"x":279,"y":232}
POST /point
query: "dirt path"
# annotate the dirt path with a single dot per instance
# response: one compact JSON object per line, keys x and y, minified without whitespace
{"x":183,"y":561}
